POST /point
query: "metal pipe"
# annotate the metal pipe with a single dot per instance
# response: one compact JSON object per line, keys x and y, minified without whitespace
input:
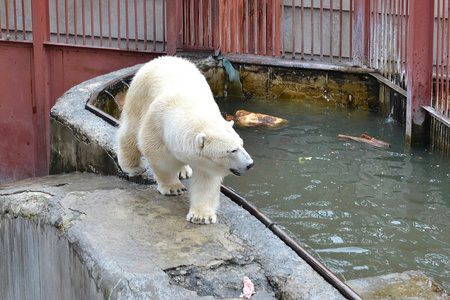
{"x":329,"y":276}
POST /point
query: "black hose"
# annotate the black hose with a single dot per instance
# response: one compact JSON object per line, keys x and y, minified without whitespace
{"x":329,"y":276}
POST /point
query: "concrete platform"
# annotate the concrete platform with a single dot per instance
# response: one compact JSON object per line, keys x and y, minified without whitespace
{"x":87,"y":236}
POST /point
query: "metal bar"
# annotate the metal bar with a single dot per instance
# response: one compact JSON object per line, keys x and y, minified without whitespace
{"x":283,"y":44}
{"x":436,"y":103}
{"x":144,"y":14}
{"x":446,"y":99}
{"x":15,"y":19}
{"x":136,"y":33}
{"x":109,"y":24}
{"x":331,"y":30}
{"x":118,"y":24}
{"x":1,"y":24}
{"x":255,"y":31}
{"x":340,"y":30}
{"x":351,"y":31}
{"x":67,"y":21}
{"x":100,"y":21}
{"x":303,"y":30}
{"x":7,"y":18}
{"x":57,"y":21}
{"x":401,"y":15}
{"x":164,"y":24}
{"x":274,"y":27}
{"x":83,"y":17}
{"x":127,"y":26}
{"x":312,"y":29}
{"x":75,"y":21}
{"x":264,"y":26}
{"x":24,"y":30}
{"x":293,"y":26}
{"x":92,"y":23}
{"x":321,"y":26}
{"x":441,"y":96}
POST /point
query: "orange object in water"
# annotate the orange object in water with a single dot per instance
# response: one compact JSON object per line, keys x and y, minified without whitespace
{"x":366,"y":139}
{"x":250,"y":119}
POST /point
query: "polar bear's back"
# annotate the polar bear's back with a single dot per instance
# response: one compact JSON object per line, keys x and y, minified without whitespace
{"x":165,"y":75}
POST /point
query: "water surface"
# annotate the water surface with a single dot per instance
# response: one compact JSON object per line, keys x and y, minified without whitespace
{"x":363,"y":211}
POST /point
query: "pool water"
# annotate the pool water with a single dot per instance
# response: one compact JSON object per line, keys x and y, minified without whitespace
{"x":362,"y":210}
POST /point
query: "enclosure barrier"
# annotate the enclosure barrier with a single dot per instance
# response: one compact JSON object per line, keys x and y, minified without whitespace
{"x":61,"y":43}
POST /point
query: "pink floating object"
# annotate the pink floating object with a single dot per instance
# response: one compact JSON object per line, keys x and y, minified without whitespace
{"x":248,"y":289}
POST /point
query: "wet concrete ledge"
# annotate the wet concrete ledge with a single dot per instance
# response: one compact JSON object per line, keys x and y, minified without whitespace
{"x":87,"y":236}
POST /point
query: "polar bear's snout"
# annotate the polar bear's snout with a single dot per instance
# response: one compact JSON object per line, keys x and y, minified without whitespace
{"x":245,"y":163}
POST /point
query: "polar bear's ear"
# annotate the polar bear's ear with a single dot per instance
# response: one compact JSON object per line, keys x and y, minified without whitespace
{"x":200,"y":141}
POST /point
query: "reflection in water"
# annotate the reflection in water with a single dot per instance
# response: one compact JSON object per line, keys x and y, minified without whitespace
{"x":362,"y":210}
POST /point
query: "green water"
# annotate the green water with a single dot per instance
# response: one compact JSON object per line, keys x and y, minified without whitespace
{"x":363,"y":211}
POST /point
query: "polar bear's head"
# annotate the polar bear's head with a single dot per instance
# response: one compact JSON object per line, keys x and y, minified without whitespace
{"x":222,"y":151}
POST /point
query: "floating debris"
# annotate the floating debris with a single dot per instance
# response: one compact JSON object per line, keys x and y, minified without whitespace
{"x":250,"y":119}
{"x":366,"y":139}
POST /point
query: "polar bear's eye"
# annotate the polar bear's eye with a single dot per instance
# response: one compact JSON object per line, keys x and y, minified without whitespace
{"x":233,"y":151}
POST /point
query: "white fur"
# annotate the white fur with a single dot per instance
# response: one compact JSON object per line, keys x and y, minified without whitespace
{"x":171,"y":118}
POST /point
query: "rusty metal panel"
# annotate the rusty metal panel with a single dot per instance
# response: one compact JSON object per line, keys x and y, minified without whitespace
{"x":17,"y":133}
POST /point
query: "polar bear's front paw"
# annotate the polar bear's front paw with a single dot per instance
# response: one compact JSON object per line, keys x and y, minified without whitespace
{"x":201,"y":216}
{"x":173,"y":190}
{"x":134,"y":171}
{"x":185,"y":172}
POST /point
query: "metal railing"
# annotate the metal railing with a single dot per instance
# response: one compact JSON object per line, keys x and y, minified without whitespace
{"x":440,"y":101}
{"x":389,"y":39}
{"x":129,"y":24}
{"x":15,"y":20}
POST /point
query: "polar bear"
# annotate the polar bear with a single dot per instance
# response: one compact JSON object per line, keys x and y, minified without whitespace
{"x":171,"y":118}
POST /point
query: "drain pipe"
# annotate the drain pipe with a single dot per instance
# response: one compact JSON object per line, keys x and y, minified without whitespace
{"x":329,"y":276}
